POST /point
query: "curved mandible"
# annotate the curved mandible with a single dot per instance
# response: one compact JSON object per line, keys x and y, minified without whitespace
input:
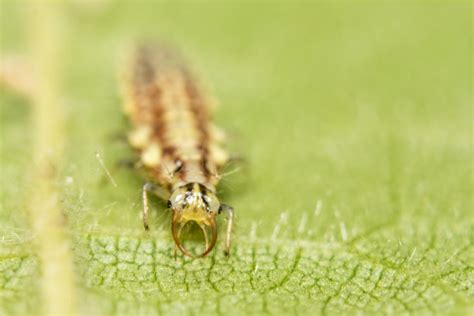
{"x":177,"y":235}
{"x":213,"y":228}
{"x":176,"y":228}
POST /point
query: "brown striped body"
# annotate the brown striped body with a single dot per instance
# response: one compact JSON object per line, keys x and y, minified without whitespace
{"x":178,"y":145}
{"x":171,"y":117}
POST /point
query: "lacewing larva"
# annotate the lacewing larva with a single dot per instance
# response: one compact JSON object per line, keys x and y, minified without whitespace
{"x":178,"y":145}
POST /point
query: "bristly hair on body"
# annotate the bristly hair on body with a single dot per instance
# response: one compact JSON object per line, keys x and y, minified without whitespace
{"x":179,"y":147}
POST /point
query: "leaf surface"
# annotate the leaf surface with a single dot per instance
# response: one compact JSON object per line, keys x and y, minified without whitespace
{"x":355,"y":121}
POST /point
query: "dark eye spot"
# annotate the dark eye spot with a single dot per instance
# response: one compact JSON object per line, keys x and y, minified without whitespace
{"x":206,"y":199}
{"x":169,"y":204}
{"x":220,"y":209}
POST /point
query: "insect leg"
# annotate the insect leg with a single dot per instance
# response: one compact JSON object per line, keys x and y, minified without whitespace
{"x":158,"y":191}
{"x":230,"y":221}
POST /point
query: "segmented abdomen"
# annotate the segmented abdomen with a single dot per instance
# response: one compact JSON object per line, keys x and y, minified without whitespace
{"x":171,"y":120}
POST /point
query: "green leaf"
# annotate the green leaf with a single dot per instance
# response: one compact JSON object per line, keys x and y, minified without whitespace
{"x":355,"y":121}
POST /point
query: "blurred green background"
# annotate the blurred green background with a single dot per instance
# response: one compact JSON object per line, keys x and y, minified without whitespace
{"x":355,"y":122}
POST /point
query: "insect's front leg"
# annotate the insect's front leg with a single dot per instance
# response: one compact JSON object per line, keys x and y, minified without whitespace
{"x":230,"y":221}
{"x":159,"y":191}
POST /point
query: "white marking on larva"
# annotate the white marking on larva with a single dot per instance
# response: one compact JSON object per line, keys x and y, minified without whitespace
{"x":283,"y":219}
{"x":217,"y":134}
{"x":253,"y":231}
{"x":151,"y":156}
{"x":318,"y":208}
{"x":140,"y":137}
{"x":219,"y":156}
{"x":304,"y":220}
{"x":104,"y":168}
{"x":343,"y":229}
{"x":69,"y":180}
